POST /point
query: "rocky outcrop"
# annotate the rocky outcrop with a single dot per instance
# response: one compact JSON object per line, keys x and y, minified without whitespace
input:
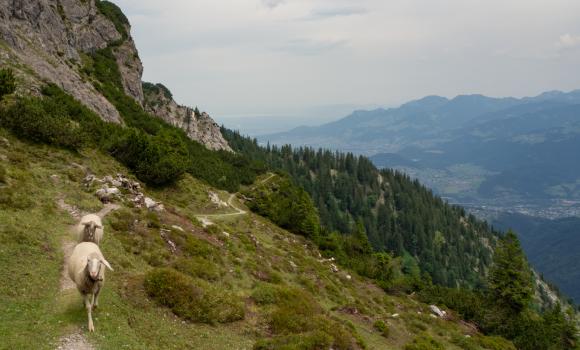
{"x":44,"y":40}
{"x":131,"y":69}
{"x":51,"y":41}
{"x":198,"y":126}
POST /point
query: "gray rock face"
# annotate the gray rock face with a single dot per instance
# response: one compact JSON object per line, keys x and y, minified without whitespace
{"x":201,"y":128}
{"x":131,"y":69}
{"x":50,"y":40}
{"x":43,"y":40}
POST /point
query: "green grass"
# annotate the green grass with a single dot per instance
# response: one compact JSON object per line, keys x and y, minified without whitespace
{"x":266,"y":284}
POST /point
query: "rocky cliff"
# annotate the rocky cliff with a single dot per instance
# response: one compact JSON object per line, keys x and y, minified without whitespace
{"x":52,"y":41}
{"x":158,"y":101}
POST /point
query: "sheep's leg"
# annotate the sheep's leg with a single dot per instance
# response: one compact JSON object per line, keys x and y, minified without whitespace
{"x":89,"y":307}
{"x":96,"y":300}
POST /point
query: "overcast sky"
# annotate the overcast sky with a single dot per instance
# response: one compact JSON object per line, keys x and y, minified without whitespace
{"x":280,"y":57}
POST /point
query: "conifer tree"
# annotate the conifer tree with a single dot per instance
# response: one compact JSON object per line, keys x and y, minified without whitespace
{"x":510,"y":279}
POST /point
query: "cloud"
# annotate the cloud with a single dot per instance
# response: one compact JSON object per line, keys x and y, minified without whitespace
{"x":272,"y":4}
{"x":310,"y":47}
{"x":567,"y":42}
{"x":323,"y":13}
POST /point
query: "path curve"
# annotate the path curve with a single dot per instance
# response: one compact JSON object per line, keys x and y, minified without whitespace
{"x":205,"y":219}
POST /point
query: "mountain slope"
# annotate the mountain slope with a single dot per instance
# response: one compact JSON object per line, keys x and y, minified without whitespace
{"x":551,"y":246}
{"x":243,"y":258}
{"x":56,"y":41}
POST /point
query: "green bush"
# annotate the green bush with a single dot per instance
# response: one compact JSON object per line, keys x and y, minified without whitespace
{"x":198,"y":267}
{"x":115,"y":15}
{"x":7,"y":82}
{"x":287,"y":205}
{"x":34,"y":120}
{"x":193,"y":299}
{"x":424,"y":342}
{"x":382,"y":327}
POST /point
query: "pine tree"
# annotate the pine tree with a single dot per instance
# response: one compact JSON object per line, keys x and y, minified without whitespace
{"x":510,"y":279}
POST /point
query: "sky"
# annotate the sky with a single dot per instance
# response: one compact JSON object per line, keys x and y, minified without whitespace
{"x":241,"y":58}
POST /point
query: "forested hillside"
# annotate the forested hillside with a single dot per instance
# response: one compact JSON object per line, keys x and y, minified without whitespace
{"x":398,"y":215}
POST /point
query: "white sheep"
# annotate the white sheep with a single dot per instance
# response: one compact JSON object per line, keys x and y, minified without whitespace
{"x":85,"y":268}
{"x":90,"y":229}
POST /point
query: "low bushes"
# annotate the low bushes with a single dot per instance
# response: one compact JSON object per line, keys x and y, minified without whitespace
{"x":193,"y":299}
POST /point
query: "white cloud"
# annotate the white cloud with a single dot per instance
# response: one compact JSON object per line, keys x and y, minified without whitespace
{"x":269,"y":57}
{"x":568,"y":41}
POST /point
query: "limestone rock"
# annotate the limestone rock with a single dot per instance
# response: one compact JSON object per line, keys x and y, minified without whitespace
{"x":202,"y":128}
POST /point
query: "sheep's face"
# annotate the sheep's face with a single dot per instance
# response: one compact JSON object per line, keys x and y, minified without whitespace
{"x":90,"y":228}
{"x":94,"y":268}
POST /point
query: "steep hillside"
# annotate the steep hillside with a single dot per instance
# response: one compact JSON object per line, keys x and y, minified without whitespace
{"x":198,"y":267}
{"x":58,"y":41}
{"x":397,"y":214}
{"x":260,"y":285}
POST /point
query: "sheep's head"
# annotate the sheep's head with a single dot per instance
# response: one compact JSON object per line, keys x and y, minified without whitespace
{"x":90,"y":228}
{"x":94,"y":266}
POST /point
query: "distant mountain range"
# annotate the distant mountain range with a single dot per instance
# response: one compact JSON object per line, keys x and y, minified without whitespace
{"x":470,"y":147}
{"x":511,"y":156}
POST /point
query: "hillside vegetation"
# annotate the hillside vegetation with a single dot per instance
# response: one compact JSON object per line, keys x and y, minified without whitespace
{"x":240,"y":283}
{"x":308,"y":249}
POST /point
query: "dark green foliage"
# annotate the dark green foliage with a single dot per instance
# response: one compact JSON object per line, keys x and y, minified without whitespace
{"x":505,"y":308}
{"x":157,"y":160}
{"x":7,"y":82}
{"x":286,"y":204}
{"x":195,"y":300}
{"x":382,"y":327}
{"x":36,"y":120}
{"x":398,"y":215}
{"x":510,"y":278}
{"x":156,"y":88}
{"x":115,"y":15}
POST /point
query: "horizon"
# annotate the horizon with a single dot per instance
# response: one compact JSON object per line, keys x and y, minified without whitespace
{"x":280,"y":58}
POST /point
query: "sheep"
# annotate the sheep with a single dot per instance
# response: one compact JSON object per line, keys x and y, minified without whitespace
{"x":90,"y":229}
{"x":85,"y":269}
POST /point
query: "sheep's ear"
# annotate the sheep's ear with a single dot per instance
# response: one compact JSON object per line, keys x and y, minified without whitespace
{"x":99,"y":226}
{"x":106,"y":263}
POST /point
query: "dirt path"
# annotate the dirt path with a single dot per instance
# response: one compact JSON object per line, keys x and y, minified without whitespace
{"x":75,"y":340}
{"x":206,"y":219}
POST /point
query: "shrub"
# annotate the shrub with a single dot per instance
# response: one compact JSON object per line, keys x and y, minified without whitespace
{"x":7,"y":82}
{"x":115,"y":15}
{"x":198,"y":267}
{"x":32,"y":119}
{"x":192,"y":299}
{"x":382,"y":327}
{"x":424,"y":342}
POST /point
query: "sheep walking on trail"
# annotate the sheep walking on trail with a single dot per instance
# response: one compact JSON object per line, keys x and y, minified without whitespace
{"x":90,"y":229}
{"x":86,"y":267}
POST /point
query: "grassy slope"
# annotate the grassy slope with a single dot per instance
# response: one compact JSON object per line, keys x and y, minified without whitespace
{"x":35,"y":314}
